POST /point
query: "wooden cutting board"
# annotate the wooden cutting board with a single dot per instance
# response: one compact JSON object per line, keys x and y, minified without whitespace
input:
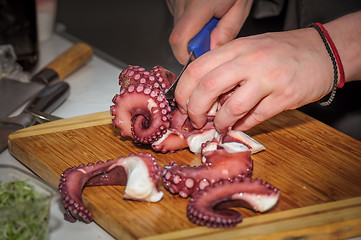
{"x":317,"y":169}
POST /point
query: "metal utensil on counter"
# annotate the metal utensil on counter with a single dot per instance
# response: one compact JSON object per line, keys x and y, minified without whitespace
{"x":37,"y":111}
{"x":41,"y":117}
{"x":14,"y":94}
{"x":197,"y":46}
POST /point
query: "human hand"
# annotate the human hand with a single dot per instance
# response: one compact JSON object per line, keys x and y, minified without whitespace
{"x":190,"y":16}
{"x":273,"y":72}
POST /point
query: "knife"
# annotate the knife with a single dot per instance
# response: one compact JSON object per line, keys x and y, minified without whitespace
{"x":44,"y":103}
{"x":197,"y":46}
{"x":14,"y":94}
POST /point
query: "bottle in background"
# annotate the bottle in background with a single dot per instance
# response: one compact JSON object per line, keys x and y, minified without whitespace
{"x":18,"y":27}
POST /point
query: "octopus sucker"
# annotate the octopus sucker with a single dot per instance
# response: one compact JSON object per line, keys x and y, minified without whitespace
{"x":142,"y":112}
{"x":139,"y":115}
{"x":210,"y":206}
{"x":139,"y":173}
{"x":218,"y":164}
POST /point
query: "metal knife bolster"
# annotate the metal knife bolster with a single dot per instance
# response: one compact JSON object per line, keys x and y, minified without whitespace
{"x":50,"y":98}
{"x":45,"y":76}
{"x":169,"y":95}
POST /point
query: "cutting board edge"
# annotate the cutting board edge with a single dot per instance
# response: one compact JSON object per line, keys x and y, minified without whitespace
{"x":119,"y":233}
{"x":290,"y":224}
{"x":82,"y":121}
{"x":257,"y":223}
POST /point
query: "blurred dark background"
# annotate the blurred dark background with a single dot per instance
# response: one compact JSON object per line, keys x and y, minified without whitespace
{"x":136,"y":33}
{"x":133,"y":32}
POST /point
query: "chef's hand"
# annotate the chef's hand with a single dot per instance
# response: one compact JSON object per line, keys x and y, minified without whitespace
{"x":275,"y":72}
{"x":190,"y":16}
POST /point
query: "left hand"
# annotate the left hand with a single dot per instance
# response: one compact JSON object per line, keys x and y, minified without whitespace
{"x":190,"y":16}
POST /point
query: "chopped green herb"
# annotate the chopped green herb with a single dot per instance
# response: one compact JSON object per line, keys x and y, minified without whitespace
{"x":23,"y":212}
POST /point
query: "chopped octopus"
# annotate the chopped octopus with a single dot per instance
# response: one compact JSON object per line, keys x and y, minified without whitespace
{"x":142,"y":112}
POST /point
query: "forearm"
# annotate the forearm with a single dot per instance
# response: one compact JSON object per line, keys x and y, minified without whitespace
{"x":346,"y":34}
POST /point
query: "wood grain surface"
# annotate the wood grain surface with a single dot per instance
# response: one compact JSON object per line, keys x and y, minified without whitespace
{"x":316,"y":168}
{"x":71,"y":60}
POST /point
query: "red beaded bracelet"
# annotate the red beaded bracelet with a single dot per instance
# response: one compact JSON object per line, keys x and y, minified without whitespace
{"x":335,"y":52}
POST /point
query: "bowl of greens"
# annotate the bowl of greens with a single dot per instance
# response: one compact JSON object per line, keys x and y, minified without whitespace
{"x":24,"y":205}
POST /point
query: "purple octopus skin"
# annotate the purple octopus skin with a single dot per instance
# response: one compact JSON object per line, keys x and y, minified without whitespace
{"x":141,"y":110}
{"x":210,"y":206}
{"x":142,"y":113}
{"x":113,"y":172}
{"x":218,"y":164}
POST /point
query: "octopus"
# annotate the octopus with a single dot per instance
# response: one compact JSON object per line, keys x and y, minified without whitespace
{"x":222,"y":180}
{"x":139,"y":173}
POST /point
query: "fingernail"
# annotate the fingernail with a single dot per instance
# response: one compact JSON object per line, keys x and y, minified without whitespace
{"x":182,"y":110}
{"x":194,"y":125}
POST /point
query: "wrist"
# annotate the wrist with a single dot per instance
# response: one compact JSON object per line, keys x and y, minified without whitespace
{"x":336,"y":62}
{"x":346,"y":32}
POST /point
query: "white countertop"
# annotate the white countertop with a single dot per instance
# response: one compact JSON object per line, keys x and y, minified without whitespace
{"x":91,"y":90}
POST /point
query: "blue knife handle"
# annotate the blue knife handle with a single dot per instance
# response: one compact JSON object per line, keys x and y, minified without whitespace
{"x":200,"y":44}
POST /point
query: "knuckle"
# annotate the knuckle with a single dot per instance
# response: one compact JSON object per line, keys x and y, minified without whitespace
{"x":174,"y":38}
{"x":257,"y":117}
{"x":261,"y":55}
{"x":209,"y":83}
{"x":289,"y":93}
{"x":192,"y":70}
{"x":196,"y":118}
{"x":180,"y":97}
{"x":229,"y":33}
{"x":236,"y":108}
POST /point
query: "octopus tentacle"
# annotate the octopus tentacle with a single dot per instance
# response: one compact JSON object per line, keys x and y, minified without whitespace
{"x":134,"y":75}
{"x":141,"y":110}
{"x":164,"y":77}
{"x":217,"y":165}
{"x":140,"y":173}
{"x":174,"y":139}
{"x":158,"y":77}
{"x":141,"y":113}
{"x":209,"y":207}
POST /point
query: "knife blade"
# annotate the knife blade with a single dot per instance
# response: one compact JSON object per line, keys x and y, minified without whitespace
{"x":14,"y":94}
{"x":197,"y":46}
{"x":46,"y":102}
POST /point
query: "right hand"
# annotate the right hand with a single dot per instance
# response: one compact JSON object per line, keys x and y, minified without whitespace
{"x":190,"y":16}
{"x":269,"y":73}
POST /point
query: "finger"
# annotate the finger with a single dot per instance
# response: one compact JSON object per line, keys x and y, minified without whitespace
{"x":170,"y":5}
{"x":243,"y":100}
{"x":218,"y":81}
{"x":188,"y":25}
{"x":230,"y":23}
{"x":197,"y":70}
{"x":186,"y":84}
{"x":265,"y":109}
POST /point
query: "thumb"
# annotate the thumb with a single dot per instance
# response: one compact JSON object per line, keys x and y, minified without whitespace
{"x":230,"y":23}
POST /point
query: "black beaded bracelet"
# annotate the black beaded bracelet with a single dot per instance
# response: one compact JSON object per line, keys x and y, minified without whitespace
{"x":335,"y":70}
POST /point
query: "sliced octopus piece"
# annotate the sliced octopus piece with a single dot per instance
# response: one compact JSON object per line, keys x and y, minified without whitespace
{"x":139,"y":173}
{"x":210,"y":206}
